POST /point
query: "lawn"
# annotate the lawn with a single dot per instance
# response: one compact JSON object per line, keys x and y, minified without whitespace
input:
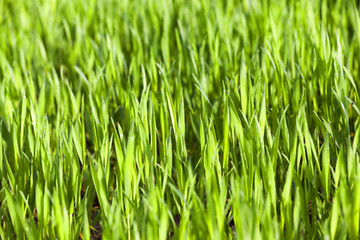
{"x":179,"y":119}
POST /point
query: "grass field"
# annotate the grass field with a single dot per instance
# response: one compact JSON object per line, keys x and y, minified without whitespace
{"x":179,"y":119}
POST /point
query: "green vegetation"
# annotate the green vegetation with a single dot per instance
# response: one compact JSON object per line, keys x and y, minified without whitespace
{"x":179,"y":119}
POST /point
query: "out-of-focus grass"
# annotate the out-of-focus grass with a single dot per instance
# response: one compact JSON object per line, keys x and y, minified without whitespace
{"x":179,"y":119}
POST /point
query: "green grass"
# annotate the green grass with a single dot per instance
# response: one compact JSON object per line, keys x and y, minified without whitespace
{"x":179,"y":119}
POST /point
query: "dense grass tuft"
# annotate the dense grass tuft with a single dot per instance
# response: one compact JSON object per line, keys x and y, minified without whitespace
{"x":179,"y":119}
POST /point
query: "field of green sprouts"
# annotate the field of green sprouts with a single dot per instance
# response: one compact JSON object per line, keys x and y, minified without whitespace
{"x":179,"y":119}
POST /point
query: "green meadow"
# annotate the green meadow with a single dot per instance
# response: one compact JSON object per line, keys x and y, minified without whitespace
{"x":179,"y":119}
